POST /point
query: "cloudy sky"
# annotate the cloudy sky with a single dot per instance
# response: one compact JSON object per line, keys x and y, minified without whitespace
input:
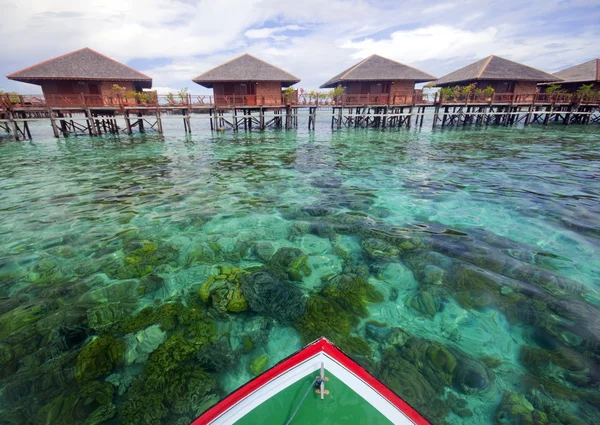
{"x":175,"y":40}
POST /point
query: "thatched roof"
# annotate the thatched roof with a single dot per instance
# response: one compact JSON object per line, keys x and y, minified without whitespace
{"x":378,"y":68}
{"x":83,"y":64}
{"x":245,"y":68}
{"x":495,"y":68}
{"x":582,"y":73}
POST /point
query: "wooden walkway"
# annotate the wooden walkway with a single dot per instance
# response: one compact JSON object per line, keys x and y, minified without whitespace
{"x":95,"y":115}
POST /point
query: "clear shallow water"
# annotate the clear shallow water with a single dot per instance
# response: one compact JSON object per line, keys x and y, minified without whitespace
{"x":460,"y":267}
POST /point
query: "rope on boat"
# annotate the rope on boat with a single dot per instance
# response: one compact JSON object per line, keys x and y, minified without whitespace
{"x":317,"y":380}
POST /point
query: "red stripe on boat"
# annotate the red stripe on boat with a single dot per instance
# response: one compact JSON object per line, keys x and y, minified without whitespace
{"x":320,"y":345}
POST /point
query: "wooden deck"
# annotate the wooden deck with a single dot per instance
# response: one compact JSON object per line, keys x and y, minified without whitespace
{"x":96,"y":114}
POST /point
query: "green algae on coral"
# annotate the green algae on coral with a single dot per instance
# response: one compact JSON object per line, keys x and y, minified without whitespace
{"x":292,"y":262}
{"x":168,"y":315}
{"x":90,"y":405}
{"x":425,"y":303}
{"x":224,"y":290}
{"x":143,"y":257}
{"x":258,"y":365}
{"x":380,"y":250}
{"x":171,"y":384}
{"x":272,"y":295}
{"x":99,"y":358}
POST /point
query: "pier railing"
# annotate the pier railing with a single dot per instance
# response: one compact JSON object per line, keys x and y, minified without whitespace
{"x":151,"y":100}
{"x":521,"y":98}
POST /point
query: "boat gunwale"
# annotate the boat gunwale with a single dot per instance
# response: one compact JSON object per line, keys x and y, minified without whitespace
{"x":313,"y":349}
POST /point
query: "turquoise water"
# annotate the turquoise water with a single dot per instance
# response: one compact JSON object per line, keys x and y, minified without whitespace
{"x":143,"y":278}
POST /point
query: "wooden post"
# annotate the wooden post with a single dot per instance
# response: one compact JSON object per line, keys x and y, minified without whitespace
{"x":262,"y":118}
{"x":53,"y":123}
{"x":288,"y":117}
{"x":127,"y":122}
{"x":235,"y":120}
{"x":141,"y":122}
{"x":548,"y":113}
{"x":99,"y":131}
{"x":333,"y":117}
{"x":26,"y":130}
{"x":63,"y":125}
{"x":530,"y":111}
{"x":15,"y":127}
{"x":159,"y":126}
{"x":340,"y":113}
{"x":436,"y":113}
{"x":210,"y":115}
{"x":90,"y":120}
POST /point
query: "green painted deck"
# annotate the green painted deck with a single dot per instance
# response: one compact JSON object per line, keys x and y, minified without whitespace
{"x":341,"y":406}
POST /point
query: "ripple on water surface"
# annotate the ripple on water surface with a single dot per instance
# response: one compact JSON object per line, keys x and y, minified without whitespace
{"x":144,"y":278}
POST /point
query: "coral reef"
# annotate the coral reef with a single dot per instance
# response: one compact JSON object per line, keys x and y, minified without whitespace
{"x":291,"y":262}
{"x":335,"y":309}
{"x":99,"y":358}
{"x":168,"y":316}
{"x":140,"y":345}
{"x":90,"y":405}
{"x":272,"y":295}
{"x":378,"y":249}
{"x":224,"y":290}
{"x":258,"y":365}
{"x":425,"y":303}
{"x":143,"y":257}
{"x":173,"y":385}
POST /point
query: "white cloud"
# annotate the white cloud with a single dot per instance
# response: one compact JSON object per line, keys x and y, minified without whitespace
{"x":312,"y":39}
{"x":431,"y":42}
{"x":271,"y":32}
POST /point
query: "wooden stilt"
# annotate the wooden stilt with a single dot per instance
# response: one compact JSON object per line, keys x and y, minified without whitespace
{"x":261,"y":118}
{"x":159,"y":126}
{"x":548,"y":113}
{"x":53,"y":123}
{"x":127,"y":122}
{"x":90,"y":120}
{"x":141,"y":122}
{"x":14,"y":125}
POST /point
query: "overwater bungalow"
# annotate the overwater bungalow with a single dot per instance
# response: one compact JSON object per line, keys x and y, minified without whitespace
{"x":378,"y":80}
{"x":82,"y":76}
{"x":503,"y":75}
{"x":246,"y":80}
{"x":576,"y":76}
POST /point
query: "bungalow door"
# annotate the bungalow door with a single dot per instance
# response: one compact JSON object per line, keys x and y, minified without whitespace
{"x":64,"y":94}
{"x":95,"y":96}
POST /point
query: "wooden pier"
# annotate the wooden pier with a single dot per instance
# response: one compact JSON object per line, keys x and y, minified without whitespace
{"x":94,"y":115}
